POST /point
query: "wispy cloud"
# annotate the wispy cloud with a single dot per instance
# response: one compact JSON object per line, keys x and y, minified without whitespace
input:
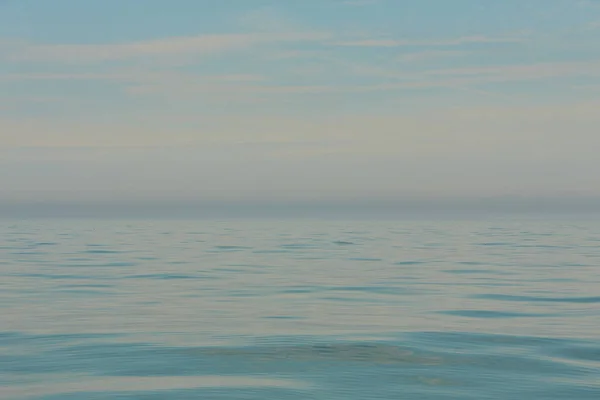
{"x":592,"y":26}
{"x":440,"y":42}
{"x":530,"y":71}
{"x":245,"y":87}
{"x":192,"y":45}
{"x":133,"y":76}
{"x":430,"y":55}
{"x":459,"y":78}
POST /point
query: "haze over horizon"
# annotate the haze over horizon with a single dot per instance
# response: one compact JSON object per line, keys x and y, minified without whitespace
{"x":316,"y":101}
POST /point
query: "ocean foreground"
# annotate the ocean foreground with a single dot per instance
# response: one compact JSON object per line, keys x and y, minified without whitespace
{"x":484,"y":308}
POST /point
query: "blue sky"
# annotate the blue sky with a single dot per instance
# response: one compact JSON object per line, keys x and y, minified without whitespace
{"x":298,"y":100}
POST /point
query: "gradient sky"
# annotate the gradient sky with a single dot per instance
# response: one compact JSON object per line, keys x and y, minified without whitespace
{"x":285,"y":100}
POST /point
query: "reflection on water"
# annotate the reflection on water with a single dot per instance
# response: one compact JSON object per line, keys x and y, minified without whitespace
{"x":299,"y":310}
{"x":63,"y":385}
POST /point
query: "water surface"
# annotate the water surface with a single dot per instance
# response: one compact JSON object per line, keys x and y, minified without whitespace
{"x":299,"y":309}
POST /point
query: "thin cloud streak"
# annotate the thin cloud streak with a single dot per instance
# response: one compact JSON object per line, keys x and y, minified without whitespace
{"x":130,"y":76}
{"x":193,"y":45}
{"x":441,"y":42}
{"x":428,"y":55}
{"x":427,"y":79}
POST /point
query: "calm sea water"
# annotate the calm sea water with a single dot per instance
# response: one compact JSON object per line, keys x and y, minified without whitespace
{"x":299,"y":309}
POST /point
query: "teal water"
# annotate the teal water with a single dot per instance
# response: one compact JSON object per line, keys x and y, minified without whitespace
{"x":299,"y":309}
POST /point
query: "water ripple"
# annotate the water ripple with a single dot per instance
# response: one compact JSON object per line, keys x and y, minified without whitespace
{"x":293,"y":310}
{"x":504,"y":297}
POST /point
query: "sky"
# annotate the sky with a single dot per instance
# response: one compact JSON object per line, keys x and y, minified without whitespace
{"x":285,"y":101}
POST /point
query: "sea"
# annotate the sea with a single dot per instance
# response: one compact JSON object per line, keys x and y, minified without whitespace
{"x":300,"y":308}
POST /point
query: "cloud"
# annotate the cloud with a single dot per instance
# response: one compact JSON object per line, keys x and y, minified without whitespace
{"x":594,"y":25}
{"x":430,"y":55}
{"x":192,"y":45}
{"x":520,"y":72}
{"x":441,"y":42}
{"x":131,"y":76}
{"x":423,"y":78}
{"x":248,"y":89}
